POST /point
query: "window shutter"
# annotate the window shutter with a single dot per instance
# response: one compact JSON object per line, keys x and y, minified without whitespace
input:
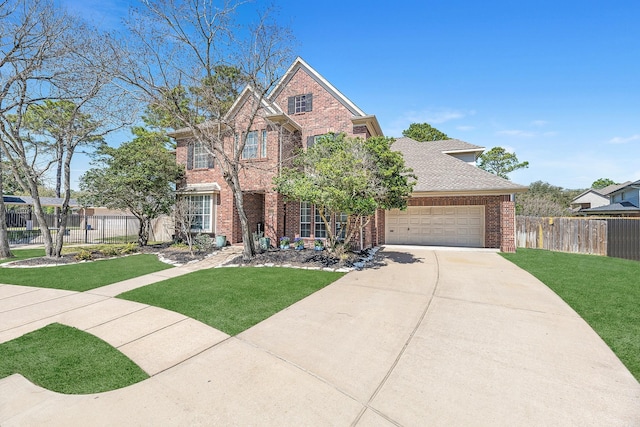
{"x":310,"y":141}
{"x":291,"y":104}
{"x":190,"y":156}
{"x":308,"y":99}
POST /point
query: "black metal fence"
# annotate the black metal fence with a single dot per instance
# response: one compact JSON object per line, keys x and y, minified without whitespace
{"x":623,"y":238}
{"x":23,"y":229}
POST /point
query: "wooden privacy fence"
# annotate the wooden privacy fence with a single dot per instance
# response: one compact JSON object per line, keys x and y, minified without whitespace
{"x":615,"y":237}
{"x":576,"y":235}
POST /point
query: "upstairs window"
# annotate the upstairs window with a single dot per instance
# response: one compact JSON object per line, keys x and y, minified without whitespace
{"x":250,"y":150}
{"x":198,"y":157}
{"x":300,"y":103}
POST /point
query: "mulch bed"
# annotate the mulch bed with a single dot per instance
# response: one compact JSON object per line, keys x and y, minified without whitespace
{"x":181,"y":256}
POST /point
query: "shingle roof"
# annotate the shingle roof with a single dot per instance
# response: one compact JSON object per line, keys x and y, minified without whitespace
{"x":449,"y":145}
{"x":439,"y":172}
{"x":614,"y":207}
{"x":44,"y":201}
{"x":611,"y":188}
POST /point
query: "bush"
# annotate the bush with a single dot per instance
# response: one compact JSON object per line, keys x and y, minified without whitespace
{"x":129,"y":248}
{"x":83,"y":255}
{"x":204,"y":242}
{"x":110,"y":250}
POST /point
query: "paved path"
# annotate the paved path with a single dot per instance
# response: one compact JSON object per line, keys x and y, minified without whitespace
{"x":432,"y":338}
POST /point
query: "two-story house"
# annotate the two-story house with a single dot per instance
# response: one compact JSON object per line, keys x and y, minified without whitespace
{"x":624,"y":201}
{"x":454,"y":203}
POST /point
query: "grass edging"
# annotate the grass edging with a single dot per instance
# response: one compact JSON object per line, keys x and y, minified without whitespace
{"x":603,"y":291}
{"x":67,"y":360}
{"x":233,"y":299}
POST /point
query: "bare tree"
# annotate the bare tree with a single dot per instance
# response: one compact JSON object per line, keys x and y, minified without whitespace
{"x":47,"y":55}
{"x":184,"y":220}
{"x":198,"y":51}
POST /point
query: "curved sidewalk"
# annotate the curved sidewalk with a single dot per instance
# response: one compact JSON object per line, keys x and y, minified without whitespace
{"x":432,"y":338}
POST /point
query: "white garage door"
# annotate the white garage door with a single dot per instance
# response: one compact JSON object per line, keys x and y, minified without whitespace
{"x":436,"y":225}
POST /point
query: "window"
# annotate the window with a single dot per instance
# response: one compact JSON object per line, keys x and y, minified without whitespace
{"x":341,"y":226}
{"x":263,"y":154}
{"x":320,"y":229}
{"x":300,"y":103}
{"x":200,"y":212}
{"x":305,"y":219}
{"x":200,"y":156}
{"x":250,"y":150}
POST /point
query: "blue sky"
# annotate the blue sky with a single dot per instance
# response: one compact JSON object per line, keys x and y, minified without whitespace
{"x":557,"y":82}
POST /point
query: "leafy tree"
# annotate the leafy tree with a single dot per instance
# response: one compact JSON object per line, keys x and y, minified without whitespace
{"x":500,"y":162}
{"x":602,"y":182}
{"x":138,"y":176}
{"x":348,"y":175}
{"x":424,"y":132}
{"x":209,"y":52}
{"x":544,"y":199}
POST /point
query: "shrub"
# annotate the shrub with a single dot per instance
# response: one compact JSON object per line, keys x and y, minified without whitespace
{"x":129,"y":248}
{"x":204,"y":242}
{"x":84,"y":255}
{"x":110,"y":250}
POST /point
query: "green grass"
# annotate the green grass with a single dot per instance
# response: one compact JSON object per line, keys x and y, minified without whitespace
{"x":66,"y":360}
{"x":84,"y":276}
{"x":233,"y":299}
{"x":603,"y":291}
{"x":23,"y":254}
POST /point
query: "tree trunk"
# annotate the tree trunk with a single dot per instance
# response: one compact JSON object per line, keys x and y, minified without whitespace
{"x":247,"y":239}
{"x":143,"y":231}
{"x":58,"y":188}
{"x":42,"y":223}
{"x":63,"y":214}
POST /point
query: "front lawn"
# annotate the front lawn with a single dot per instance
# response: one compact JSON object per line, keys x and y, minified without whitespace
{"x":603,"y":291}
{"x":84,"y":276}
{"x":19,"y":254}
{"x":66,"y":360}
{"x":233,"y":299}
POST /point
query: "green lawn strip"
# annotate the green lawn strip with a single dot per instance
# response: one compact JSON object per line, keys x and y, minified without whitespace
{"x":67,"y":360}
{"x":23,"y":254}
{"x":84,"y":276}
{"x":603,"y":291}
{"x":233,"y":299}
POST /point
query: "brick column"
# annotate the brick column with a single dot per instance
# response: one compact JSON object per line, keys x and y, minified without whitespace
{"x":508,"y":226}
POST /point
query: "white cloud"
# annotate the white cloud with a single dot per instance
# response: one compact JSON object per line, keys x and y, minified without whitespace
{"x":517,"y":133}
{"x":620,"y":140}
{"x":465,"y":128}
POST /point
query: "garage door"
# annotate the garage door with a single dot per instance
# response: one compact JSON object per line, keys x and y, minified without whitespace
{"x":436,"y":225}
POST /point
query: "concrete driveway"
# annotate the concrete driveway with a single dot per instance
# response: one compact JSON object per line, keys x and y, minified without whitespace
{"x":433,"y":337}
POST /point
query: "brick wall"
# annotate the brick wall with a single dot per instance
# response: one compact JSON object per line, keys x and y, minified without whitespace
{"x":508,"y":217}
{"x":327,"y":115}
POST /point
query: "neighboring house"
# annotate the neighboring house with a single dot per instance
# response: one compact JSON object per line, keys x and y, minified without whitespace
{"x":595,"y":197}
{"x":454,"y":203}
{"x":623,"y":201}
{"x":27,"y":201}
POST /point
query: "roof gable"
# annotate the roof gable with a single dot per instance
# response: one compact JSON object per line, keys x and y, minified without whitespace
{"x":300,"y":65}
{"x":247,"y":92}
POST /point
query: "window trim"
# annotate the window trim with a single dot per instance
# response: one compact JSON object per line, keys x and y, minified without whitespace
{"x":208,"y":210}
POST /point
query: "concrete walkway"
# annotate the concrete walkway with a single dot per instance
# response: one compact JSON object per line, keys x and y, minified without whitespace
{"x":432,"y":338}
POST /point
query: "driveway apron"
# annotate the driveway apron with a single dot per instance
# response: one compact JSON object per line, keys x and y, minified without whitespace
{"x":431,"y":337}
